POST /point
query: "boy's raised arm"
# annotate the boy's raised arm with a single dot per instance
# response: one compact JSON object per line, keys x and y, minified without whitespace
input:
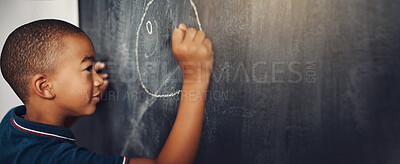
{"x":193,"y":51}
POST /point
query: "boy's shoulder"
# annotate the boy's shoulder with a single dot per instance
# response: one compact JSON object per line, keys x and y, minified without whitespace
{"x":24,"y":141}
{"x":14,"y":122}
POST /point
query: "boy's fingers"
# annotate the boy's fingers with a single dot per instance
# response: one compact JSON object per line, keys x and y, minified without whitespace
{"x":103,"y":75}
{"x":183,"y":27}
{"x":208,"y":44}
{"x":177,"y":36}
{"x":190,"y":34}
{"x":103,"y":88}
{"x":99,"y":66}
{"x":200,"y":37}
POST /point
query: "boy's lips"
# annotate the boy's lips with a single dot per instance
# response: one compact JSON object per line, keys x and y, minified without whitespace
{"x":96,"y":97}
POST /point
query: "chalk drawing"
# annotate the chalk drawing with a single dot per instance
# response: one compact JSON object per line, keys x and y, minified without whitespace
{"x":137,"y":51}
{"x":149,"y":28}
{"x":148,"y":24}
{"x":197,"y":15}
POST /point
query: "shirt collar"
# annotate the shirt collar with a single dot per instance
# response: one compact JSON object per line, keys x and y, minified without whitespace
{"x":39,"y":128}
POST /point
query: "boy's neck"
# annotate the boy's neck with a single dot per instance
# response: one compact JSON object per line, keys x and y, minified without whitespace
{"x":44,"y":113}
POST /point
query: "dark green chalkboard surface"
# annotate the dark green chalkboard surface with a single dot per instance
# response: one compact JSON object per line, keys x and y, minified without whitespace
{"x":294,"y":81}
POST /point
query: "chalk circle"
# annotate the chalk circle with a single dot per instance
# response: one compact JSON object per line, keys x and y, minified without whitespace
{"x":150,"y":31}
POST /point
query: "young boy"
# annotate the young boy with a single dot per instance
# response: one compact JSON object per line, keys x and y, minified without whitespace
{"x":50,"y":66}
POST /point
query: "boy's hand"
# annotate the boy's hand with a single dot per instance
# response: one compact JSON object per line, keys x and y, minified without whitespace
{"x":98,"y":67}
{"x":194,"y":53}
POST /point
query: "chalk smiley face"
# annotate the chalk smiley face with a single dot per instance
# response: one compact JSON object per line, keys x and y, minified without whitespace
{"x":150,"y":28}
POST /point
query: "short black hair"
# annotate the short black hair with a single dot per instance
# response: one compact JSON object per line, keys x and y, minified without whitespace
{"x":32,"y":49}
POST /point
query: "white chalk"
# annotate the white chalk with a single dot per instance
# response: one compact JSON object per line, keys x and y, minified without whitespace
{"x":197,"y":14}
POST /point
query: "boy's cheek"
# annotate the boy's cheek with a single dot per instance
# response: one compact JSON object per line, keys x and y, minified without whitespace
{"x":79,"y":95}
{"x":85,"y":78}
{"x":74,"y":89}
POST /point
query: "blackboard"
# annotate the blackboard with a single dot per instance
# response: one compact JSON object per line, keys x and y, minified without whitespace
{"x":294,"y":81}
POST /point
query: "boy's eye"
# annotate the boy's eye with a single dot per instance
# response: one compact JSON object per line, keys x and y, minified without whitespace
{"x":89,"y":68}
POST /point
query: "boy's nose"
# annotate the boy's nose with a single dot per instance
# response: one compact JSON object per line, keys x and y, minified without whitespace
{"x":98,"y":81}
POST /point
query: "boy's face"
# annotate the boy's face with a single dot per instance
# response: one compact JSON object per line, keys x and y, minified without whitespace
{"x":75,"y":82}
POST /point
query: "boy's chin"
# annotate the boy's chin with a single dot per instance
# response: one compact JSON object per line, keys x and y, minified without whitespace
{"x":89,"y":111}
{"x":93,"y":109}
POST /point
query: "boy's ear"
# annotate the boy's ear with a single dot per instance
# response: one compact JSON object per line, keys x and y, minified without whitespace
{"x":43,"y":86}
